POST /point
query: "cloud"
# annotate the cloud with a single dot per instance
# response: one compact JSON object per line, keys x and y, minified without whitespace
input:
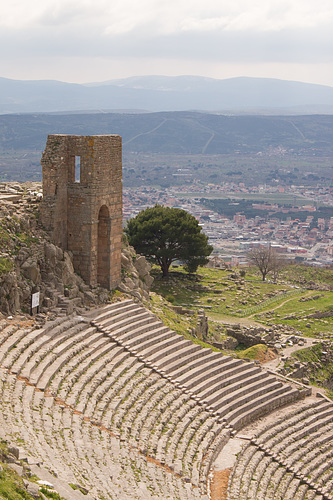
{"x":212,"y":32}
{"x":301,"y":45}
{"x":169,"y":16}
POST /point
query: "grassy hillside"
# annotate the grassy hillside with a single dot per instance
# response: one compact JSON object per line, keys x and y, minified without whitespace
{"x":248,"y":145}
{"x":227,"y":296}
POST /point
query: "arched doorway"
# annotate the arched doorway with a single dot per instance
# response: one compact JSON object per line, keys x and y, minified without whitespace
{"x":103,"y":247}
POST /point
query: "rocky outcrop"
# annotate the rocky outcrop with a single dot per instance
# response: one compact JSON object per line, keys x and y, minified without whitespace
{"x":29,"y":263}
{"x":136,"y":280}
{"x":316,"y":366}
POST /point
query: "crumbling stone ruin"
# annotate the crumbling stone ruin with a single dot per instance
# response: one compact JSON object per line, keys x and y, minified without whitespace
{"x":82,"y":203}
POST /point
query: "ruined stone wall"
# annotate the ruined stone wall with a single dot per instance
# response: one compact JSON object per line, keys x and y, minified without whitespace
{"x":83,"y":210}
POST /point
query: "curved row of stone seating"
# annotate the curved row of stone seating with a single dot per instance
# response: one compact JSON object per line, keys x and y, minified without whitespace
{"x":79,"y":452}
{"x":236,"y":391}
{"x":61,"y":383}
{"x":78,"y":384}
{"x":290,"y":459}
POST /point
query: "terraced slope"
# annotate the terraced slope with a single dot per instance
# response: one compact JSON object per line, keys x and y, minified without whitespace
{"x":95,"y":415}
{"x":237,"y":392}
{"x":290,"y":459}
{"x":123,"y":406}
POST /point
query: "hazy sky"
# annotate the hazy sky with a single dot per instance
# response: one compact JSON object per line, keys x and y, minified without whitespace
{"x":97,"y":40}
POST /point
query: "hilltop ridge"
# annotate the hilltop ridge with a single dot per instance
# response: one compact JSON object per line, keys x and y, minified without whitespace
{"x":162,"y":93}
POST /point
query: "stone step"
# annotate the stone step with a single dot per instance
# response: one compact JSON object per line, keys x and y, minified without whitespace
{"x":7,"y":330}
{"x":69,"y":443}
{"x":255,"y":487}
{"x":300,"y":452}
{"x":198,"y":446}
{"x":196,"y":355}
{"x":304,"y":428}
{"x":151,"y":412}
{"x":234,"y":386}
{"x":121,"y":391}
{"x":3,"y":325}
{"x":124,"y":315}
{"x":284,"y":485}
{"x":226,"y":402}
{"x":275,"y":432}
{"x":165,"y":425}
{"x":40,"y":341}
{"x":179,"y":351}
{"x":139,"y":397}
{"x":17,"y":341}
{"x":240,"y":374}
{"x":97,"y":357}
{"x":261,"y":405}
{"x":93,"y":379}
{"x":38,"y":356}
{"x":318,"y":451}
{"x":172,"y":432}
{"x":125,"y":324}
{"x":138,"y":422}
{"x":163,"y":342}
{"x":125,"y":374}
{"x":185,"y":420}
{"x":219,"y":441}
{"x":63,"y":354}
{"x":95,"y":342}
{"x":139,"y":325}
{"x":109,"y":309}
{"x":208,"y":370}
{"x":143,"y":337}
{"x":88,"y":371}
{"x":196,"y":365}
{"x":105,"y":379}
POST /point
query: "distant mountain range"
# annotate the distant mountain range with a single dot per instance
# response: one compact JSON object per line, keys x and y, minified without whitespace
{"x":161,"y":93}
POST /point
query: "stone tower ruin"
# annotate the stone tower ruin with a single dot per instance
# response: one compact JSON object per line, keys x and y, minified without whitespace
{"x":82,"y":203}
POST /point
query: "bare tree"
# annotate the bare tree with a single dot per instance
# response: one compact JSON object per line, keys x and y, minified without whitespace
{"x":277,"y":265}
{"x":266,"y":260}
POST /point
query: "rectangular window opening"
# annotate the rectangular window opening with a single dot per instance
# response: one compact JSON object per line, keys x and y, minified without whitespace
{"x":77,"y":168}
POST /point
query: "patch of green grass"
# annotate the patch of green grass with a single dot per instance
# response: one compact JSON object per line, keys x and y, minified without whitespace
{"x":50,"y":494}
{"x":215,"y":290}
{"x":25,"y":239}
{"x":309,"y":354}
{"x":302,"y":274}
{"x":11,"y":485}
{"x":4,"y":239}
{"x":256,"y":352}
{"x":220,"y":295}
{"x":6,"y":265}
{"x":181,"y":324}
{"x":302,"y":315}
{"x":320,"y":370}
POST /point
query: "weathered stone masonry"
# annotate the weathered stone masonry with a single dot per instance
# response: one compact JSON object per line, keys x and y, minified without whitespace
{"x":82,"y":202}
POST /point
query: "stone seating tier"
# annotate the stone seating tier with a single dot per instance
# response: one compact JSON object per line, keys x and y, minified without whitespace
{"x":97,"y":395}
{"x":185,"y":364}
{"x":291,"y":458}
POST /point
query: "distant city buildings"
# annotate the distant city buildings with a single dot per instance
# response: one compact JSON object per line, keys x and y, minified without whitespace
{"x":233,"y":237}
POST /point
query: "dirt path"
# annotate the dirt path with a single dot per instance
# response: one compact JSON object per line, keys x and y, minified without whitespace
{"x":219,"y":484}
{"x":279,"y":305}
{"x":232,"y":320}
